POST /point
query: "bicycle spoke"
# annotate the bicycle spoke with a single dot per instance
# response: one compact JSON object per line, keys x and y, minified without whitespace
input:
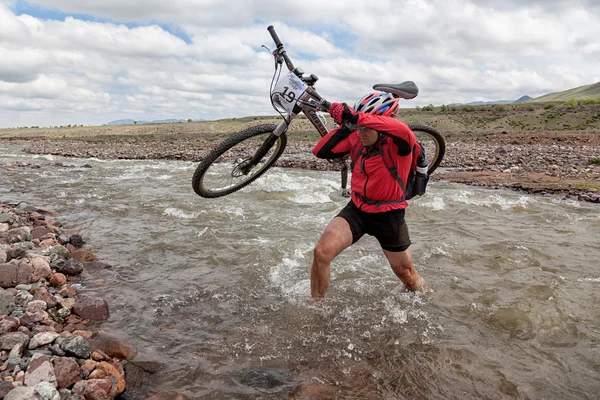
{"x":227,"y":171}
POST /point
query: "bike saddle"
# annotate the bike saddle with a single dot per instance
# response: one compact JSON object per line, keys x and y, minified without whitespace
{"x":407,"y":90}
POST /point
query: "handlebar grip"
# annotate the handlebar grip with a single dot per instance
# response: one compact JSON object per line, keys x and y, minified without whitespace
{"x":326,"y":105}
{"x":274,"y":36}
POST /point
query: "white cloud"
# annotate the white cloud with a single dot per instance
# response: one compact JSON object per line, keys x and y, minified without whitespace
{"x":89,"y":72}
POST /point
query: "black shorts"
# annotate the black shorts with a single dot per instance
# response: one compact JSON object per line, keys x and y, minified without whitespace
{"x":389,"y":228}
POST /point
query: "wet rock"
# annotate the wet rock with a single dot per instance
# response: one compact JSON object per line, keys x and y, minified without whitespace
{"x":63,"y":239}
{"x":140,"y":374}
{"x":113,"y":347}
{"x":7,"y":303}
{"x":76,"y":240}
{"x":95,"y":265}
{"x":96,"y":389}
{"x":83,"y":255}
{"x":67,"y":372}
{"x":116,"y":371}
{"x":271,"y":381}
{"x":71,"y":267}
{"x":93,"y":308}
{"x":56,"y":261}
{"x":167,"y":396}
{"x":60,"y":251}
{"x":15,"y":272}
{"x":77,"y":346}
{"x":10,"y":339}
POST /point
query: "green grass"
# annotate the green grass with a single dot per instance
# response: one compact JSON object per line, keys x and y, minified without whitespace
{"x":578,"y":93}
{"x":594,"y":161}
{"x":585,"y":186}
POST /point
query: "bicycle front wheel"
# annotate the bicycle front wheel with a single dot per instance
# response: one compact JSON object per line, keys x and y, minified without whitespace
{"x":225,"y":169}
{"x":433,"y":143}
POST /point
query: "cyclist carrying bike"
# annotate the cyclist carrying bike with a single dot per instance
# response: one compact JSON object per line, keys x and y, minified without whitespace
{"x":383,"y":150}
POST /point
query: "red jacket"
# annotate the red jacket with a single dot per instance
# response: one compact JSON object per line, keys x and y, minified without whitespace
{"x":371,"y":178}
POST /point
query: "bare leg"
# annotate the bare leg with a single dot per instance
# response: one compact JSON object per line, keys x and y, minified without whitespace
{"x":336,"y":237}
{"x":402,"y":265}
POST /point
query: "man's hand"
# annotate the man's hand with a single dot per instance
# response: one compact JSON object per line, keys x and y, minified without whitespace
{"x":341,"y":113}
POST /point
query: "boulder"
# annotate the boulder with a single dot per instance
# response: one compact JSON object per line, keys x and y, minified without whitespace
{"x":67,"y":372}
{"x":15,"y":272}
{"x":10,"y":339}
{"x":41,"y":268}
{"x":94,"y":308}
{"x":96,"y":389}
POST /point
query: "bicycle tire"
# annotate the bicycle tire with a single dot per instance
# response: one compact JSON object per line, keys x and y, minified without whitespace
{"x":438,"y":139}
{"x":210,"y":160}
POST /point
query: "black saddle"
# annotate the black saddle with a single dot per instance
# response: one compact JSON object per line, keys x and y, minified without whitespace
{"x":406,"y":90}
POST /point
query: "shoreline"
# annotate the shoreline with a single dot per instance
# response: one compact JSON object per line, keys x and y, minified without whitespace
{"x":543,"y":164}
{"x":52,"y":344}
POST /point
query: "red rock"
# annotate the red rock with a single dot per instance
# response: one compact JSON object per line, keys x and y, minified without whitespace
{"x":93,"y":308}
{"x":8,"y":324}
{"x":87,"y":367}
{"x":41,"y":268}
{"x":95,"y":389}
{"x":84,"y":334}
{"x":111,"y":370}
{"x":43,"y":294}
{"x":99,"y":355}
{"x":67,"y":372}
{"x":15,"y":272}
{"x":83,"y":255}
{"x":58,"y":279}
{"x":39,"y":231}
{"x":67,"y":291}
{"x":98,"y":374}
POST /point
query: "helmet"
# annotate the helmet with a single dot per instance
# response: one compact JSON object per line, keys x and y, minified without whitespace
{"x":378,"y":103}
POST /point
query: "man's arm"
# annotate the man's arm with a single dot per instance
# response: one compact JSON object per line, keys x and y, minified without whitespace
{"x":391,"y":126}
{"x":334,"y":145}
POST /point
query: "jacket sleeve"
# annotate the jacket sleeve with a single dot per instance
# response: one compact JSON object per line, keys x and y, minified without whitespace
{"x":388,"y":125}
{"x":335,"y":144}
{"x":399,"y":132}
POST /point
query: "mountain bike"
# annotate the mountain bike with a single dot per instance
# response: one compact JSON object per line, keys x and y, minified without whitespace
{"x":246,"y":155}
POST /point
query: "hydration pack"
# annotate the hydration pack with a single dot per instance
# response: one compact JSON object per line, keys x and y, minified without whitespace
{"x":417,"y":180}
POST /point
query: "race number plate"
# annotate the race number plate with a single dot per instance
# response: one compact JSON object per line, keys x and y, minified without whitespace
{"x":287,"y":92}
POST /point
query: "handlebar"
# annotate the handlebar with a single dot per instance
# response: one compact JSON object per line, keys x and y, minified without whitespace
{"x":310,"y":80}
{"x":280,"y":49}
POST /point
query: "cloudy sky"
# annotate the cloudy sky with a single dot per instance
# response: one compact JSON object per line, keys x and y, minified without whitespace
{"x":93,"y":61}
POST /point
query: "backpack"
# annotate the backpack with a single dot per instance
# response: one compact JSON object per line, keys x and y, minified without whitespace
{"x":417,"y":177}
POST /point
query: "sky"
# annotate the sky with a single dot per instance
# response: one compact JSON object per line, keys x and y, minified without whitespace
{"x":90,"y":62}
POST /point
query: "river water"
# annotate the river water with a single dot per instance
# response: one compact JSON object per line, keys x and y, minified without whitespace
{"x":218,"y":289}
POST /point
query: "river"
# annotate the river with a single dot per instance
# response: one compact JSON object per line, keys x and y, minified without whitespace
{"x":218,"y":289}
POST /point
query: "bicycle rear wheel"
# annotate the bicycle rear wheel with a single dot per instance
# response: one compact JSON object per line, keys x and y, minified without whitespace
{"x":225,"y":170}
{"x":433,"y":143}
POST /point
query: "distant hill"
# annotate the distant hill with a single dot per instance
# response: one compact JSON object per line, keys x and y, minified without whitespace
{"x":158,"y":121}
{"x":521,"y":99}
{"x":579,"y":93}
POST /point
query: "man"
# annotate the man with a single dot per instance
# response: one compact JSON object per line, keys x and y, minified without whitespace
{"x":382,"y":150}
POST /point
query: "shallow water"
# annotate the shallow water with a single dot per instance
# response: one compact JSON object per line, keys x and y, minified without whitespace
{"x":219,"y":288}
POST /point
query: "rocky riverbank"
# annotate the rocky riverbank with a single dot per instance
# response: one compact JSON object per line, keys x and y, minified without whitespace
{"x":52,"y":346}
{"x":566,"y":164}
